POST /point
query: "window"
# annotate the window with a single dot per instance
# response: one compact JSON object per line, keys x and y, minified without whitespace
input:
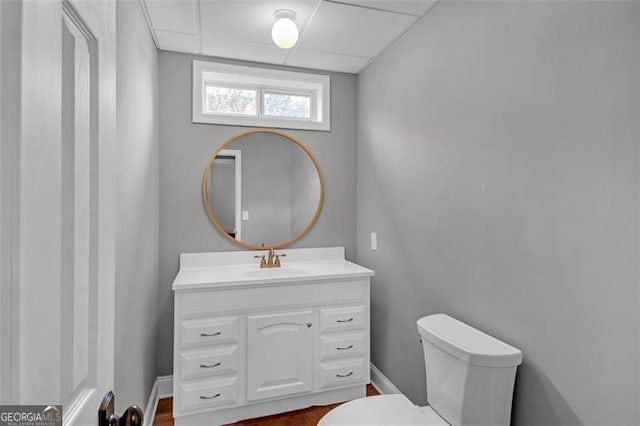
{"x":230,"y":100}
{"x":247,"y":96}
{"x":288,"y":105}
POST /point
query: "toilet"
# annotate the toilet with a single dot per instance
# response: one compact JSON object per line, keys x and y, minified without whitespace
{"x":470,"y":377}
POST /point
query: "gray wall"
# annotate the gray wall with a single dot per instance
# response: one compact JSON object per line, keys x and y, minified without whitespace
{"x":184,"y":150}
{"x":137,"y":237}
{"x":498,"y":162}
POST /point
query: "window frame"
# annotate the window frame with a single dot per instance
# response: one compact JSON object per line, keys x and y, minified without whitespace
{"x":263,"y":80}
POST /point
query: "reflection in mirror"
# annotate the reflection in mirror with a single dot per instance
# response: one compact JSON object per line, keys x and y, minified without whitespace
{"x":264,"y":189}
{"x":225,"y":180}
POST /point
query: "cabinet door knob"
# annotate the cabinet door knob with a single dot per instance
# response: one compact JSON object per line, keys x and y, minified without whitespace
{"x":350,"y":373}
{"x":309,"y":324}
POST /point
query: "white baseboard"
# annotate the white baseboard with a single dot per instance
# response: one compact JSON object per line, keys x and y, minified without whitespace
{"x":152,"y":405}
{"x":163,"y":388}
{"x":381,"y":383}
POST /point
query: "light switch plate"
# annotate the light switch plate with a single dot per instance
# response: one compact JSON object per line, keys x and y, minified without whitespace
{"x":245,"y":214}
{"x":374,"y":241}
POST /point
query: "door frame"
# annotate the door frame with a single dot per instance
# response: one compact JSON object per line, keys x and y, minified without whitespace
{"x":30,"y":291}
{"x":10,"y":68}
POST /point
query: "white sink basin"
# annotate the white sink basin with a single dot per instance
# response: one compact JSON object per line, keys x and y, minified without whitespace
{"x":273,"y":272}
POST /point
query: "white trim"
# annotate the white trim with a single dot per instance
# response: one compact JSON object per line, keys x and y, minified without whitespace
{"x":10,"y":134}
{"x":152,"y":405}
{"x":162,"y":388}
{"x":381,"y":383}
{"x":318,"y":85}
{"x":3,"y":342}
{"x":77,"y":407}
{"x":165,"y":386}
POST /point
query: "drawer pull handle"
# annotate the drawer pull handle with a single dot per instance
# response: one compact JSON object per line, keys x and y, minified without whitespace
{"x":343,"y":320}
{"x":217,"y":364}
{"x":350,"y":373}
{"x":217,"y":333}
{"x":344,"y":348}
{"x":209,"y":397}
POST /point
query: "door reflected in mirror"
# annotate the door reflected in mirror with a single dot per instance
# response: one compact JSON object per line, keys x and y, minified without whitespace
{"x":263,"y":188}
{"x":228,"y":191}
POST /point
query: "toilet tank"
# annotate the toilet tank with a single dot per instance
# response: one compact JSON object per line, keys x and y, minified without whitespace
{"x":470,"y":375}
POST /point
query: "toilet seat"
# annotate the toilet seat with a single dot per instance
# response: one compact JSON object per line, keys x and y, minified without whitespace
{"x":381,"y":410}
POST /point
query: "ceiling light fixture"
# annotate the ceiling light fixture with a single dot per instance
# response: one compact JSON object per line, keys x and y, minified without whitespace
{"x":284,"y":32}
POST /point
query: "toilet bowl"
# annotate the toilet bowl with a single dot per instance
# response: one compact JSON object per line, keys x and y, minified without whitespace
{"x":470,"y":377}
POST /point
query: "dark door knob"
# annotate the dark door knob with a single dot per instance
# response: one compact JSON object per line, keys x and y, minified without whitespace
{"x":132,"y":416}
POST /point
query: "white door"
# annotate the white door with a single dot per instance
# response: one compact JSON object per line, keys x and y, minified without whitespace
{"x":57,"y":202}
{"x":280,"y":354}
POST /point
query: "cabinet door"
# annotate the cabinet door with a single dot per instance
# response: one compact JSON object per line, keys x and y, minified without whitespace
{"x":280,"y":354}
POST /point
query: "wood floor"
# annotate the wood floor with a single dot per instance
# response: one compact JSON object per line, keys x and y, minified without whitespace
{"x":309,"y":416}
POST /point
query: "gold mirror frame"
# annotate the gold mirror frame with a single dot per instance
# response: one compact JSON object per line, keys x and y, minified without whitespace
{"x":205,"y":189}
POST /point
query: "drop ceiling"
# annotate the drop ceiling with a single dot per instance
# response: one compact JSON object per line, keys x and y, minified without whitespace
{"x":344,"y":35}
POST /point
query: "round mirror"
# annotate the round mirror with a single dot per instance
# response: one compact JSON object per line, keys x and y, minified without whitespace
{"x":262,"y":189}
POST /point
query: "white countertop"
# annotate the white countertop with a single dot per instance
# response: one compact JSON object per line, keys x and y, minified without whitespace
{"x":210,"y":270}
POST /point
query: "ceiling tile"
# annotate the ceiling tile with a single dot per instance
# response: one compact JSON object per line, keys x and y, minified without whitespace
{"x":178,"y":42}
{"x":414,"y":7}
{"x":351,"y":30}
{"x":248,"y":20}
{"x":325,"y":61}
{"x":237,"y":49}
{"x":336,"y":35}
{"x":173,"y":15}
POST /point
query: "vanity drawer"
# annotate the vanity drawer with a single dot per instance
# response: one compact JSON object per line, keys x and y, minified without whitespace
{"x":334,"y":346}
{"x":344,"y":318}
{"x":341,"y":373}
{"x":208,"y":332}
{"x":208,"y":394}
{"x":210,"y":362}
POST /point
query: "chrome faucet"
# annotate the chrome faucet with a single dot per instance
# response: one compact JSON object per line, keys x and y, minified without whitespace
{"x":270,"y":260}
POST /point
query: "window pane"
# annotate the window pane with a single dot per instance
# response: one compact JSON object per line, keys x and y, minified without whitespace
{"x":287,"y":105}
{"x":227,"y":100}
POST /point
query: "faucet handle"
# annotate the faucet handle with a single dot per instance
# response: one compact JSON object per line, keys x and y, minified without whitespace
{"x":278,"y":256}
{"x":263,"y":261}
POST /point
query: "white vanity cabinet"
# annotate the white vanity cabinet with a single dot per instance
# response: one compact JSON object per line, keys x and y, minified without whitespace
{"x":251,"y":342}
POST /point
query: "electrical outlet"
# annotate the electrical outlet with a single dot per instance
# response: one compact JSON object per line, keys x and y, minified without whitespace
{"x":374,"y":241}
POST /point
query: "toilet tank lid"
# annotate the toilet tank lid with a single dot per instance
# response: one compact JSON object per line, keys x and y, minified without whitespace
{"x":467,"y":343}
